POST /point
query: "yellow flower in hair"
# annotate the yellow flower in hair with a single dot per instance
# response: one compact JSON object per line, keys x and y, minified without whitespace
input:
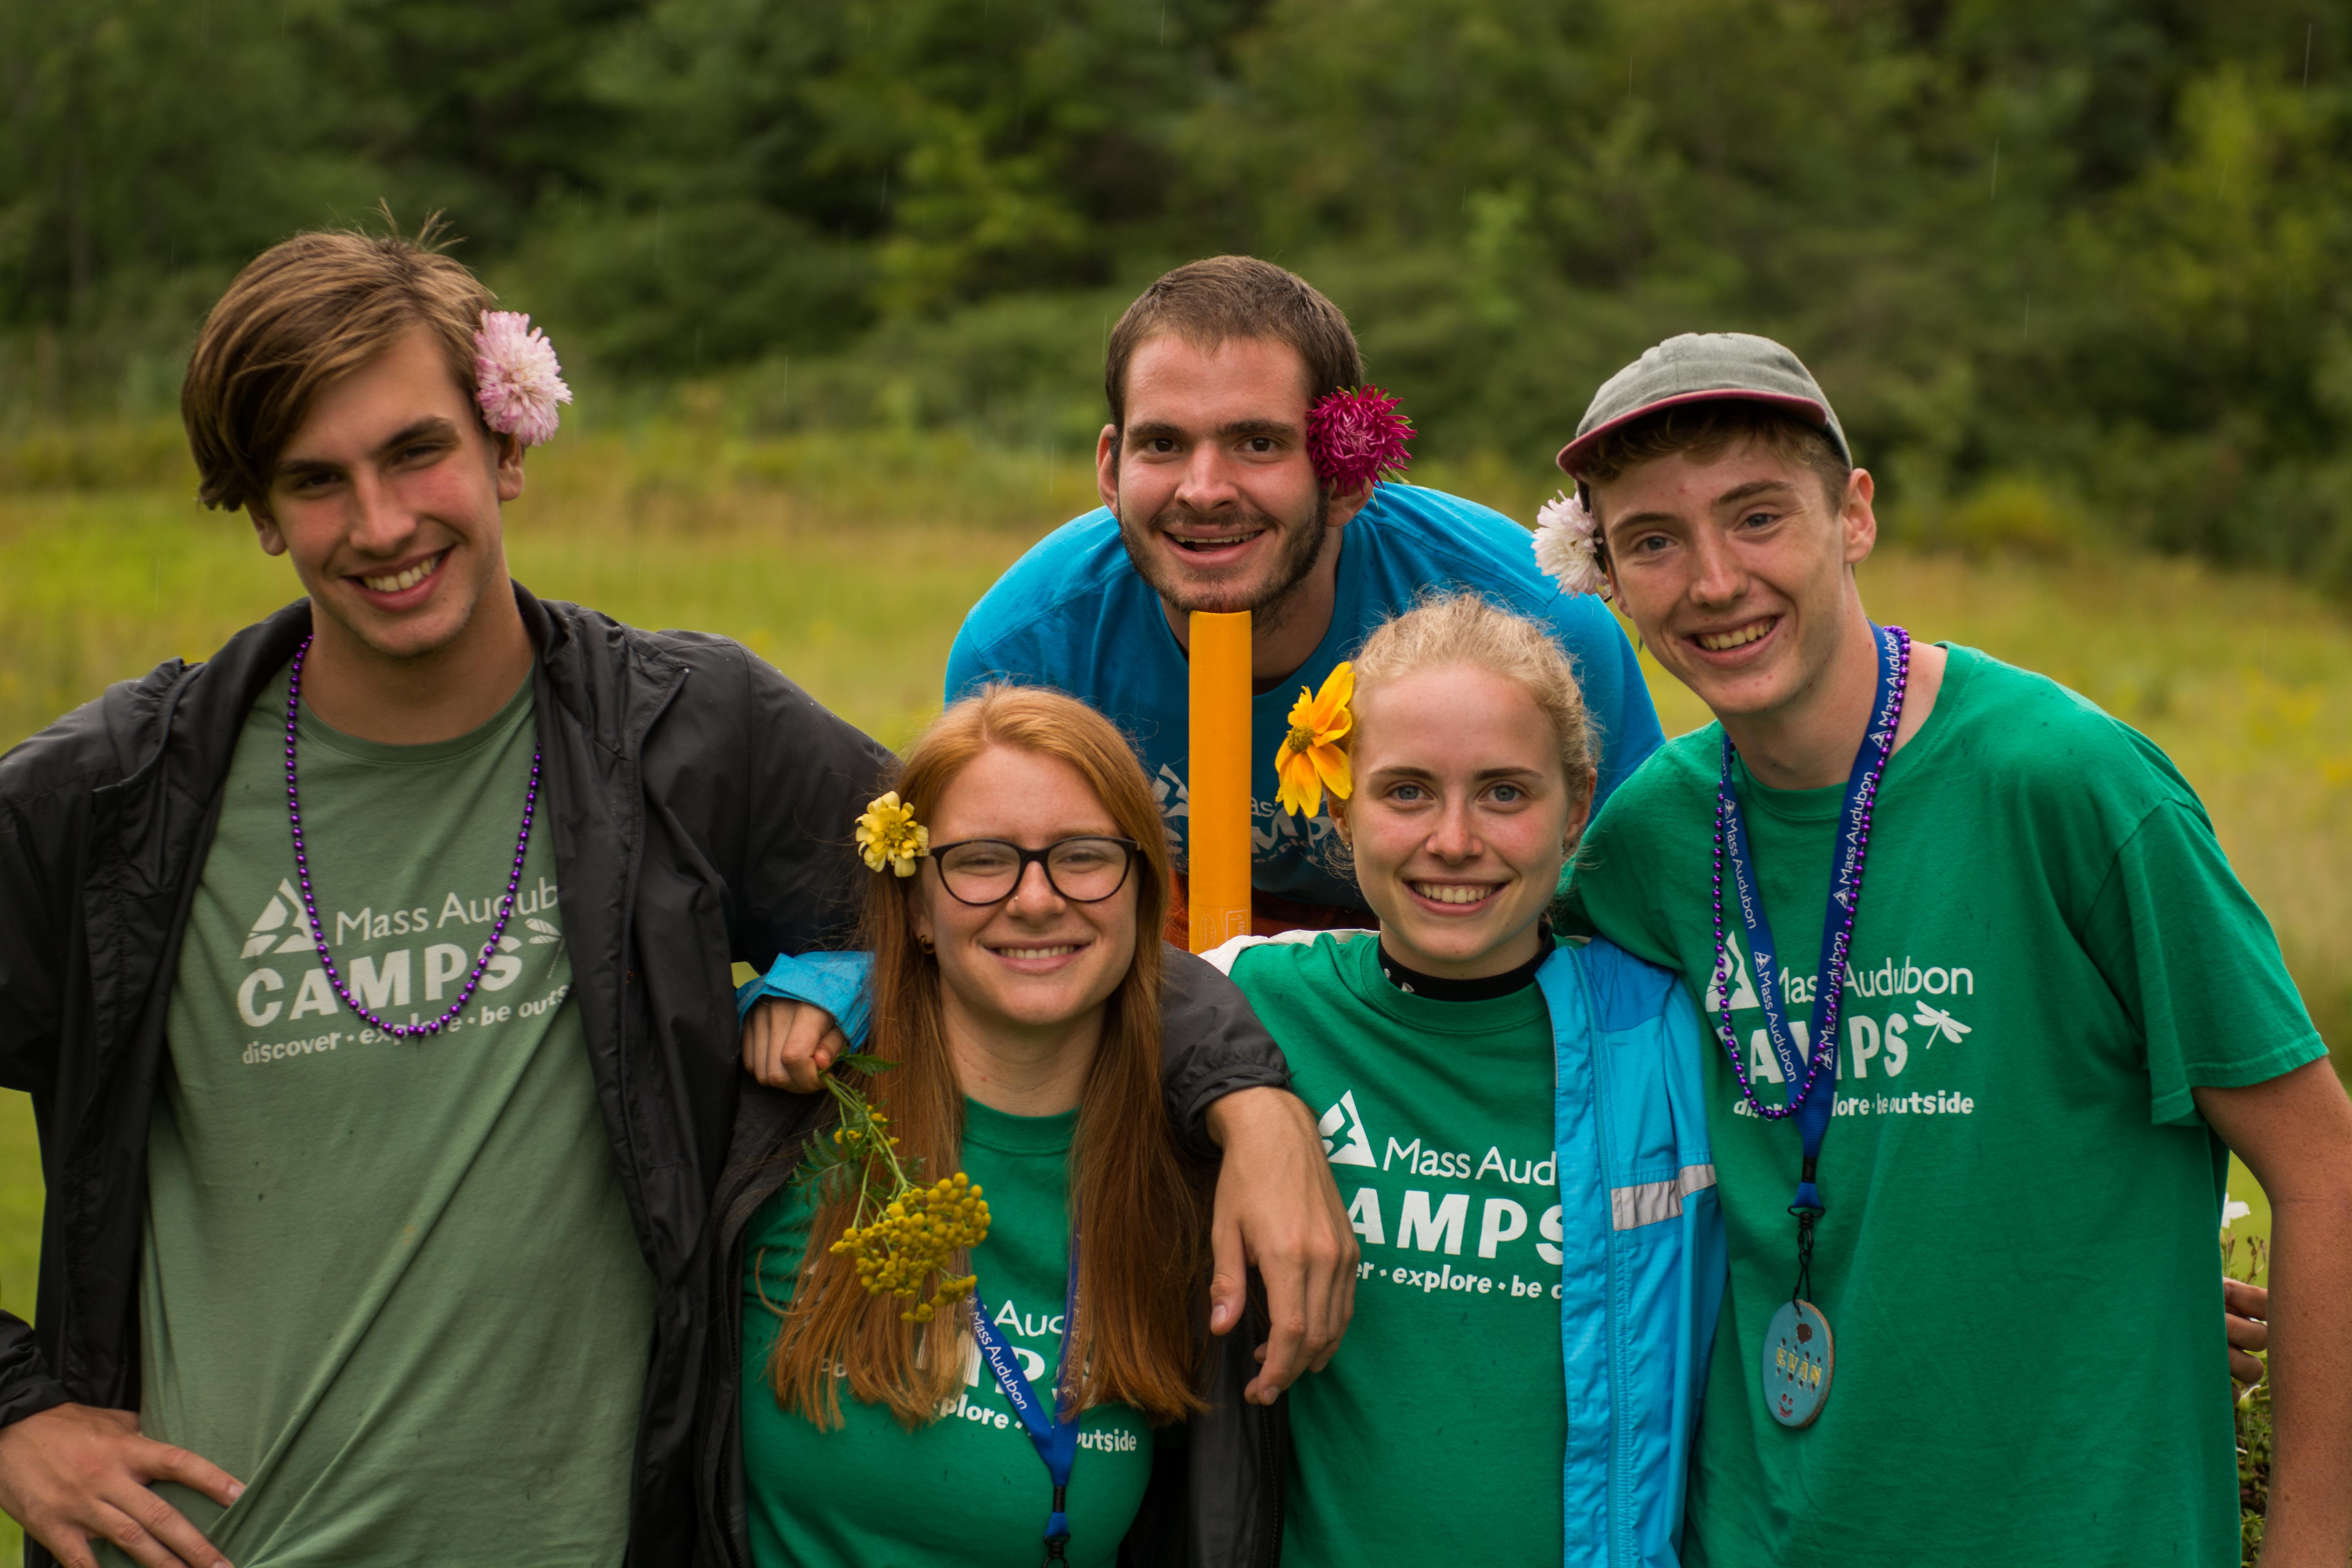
{"x":888,"y":835}
{"x":1311,"y":758}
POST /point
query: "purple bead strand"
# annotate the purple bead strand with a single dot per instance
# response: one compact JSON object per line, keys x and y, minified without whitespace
{"x":310,"y":906}
{"x":1724,"y":968}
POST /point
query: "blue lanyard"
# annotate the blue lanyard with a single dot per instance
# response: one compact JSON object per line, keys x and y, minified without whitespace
{"x":1802,"y":1079}
{"x":1055,"y":1437}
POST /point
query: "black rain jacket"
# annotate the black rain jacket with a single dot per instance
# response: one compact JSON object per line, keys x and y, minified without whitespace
{"x":699,"y":804}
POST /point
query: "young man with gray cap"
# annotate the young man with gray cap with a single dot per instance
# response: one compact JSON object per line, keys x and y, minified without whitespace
{"x":1973,"y":1261}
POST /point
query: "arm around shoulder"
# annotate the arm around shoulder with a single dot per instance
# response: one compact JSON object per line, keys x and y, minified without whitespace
{"x":1212,"y":1045}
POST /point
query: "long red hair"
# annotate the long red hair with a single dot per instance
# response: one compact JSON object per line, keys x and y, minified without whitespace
{"x":1144,"y":1262}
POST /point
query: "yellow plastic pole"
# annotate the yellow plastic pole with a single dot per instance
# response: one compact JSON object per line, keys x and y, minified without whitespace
{"x":1219,"y":789}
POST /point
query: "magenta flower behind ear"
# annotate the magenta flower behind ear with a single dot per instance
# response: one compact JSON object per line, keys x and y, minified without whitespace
{"x":1357,"y":437}
{"x":517,"y":380}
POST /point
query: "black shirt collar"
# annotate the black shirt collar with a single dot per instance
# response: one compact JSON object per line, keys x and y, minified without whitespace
{"x":1413,"y":982}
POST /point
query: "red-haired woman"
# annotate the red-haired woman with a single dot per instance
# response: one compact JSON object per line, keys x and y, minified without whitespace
{"x":1016,"y":989}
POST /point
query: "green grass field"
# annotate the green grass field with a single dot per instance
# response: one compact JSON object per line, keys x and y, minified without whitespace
{"x":849,"y":561}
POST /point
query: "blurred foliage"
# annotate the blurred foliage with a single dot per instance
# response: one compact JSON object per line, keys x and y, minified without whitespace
{"x":2063,"y":268}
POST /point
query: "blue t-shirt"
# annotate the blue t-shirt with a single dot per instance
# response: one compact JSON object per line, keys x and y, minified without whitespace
{"x":1074,"y":613}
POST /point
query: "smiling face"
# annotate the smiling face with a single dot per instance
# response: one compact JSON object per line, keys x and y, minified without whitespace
{"x":1036,"y":961}
{"x":1218,"y":505}
{"x":387,"y":498}
{"x":1462,"y":818}
{"x":1739,"y":572}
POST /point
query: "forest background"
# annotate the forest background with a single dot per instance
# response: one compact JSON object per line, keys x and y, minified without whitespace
{"x":2068,"y":268}
{"x":2074,"y":275}
{"x":832,"y":278}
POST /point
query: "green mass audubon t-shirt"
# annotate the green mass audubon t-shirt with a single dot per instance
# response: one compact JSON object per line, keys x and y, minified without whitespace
{"x":966,"y":1490}
{"x":2019,"y":1258}
{"x":391,"y":1286}
{"x":1437,"y":1431}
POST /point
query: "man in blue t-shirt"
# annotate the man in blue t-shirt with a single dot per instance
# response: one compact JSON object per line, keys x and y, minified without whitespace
{"x":1210,"y":503}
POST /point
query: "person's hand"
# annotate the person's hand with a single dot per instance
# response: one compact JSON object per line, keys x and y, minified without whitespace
{"x":2246,"y":1309}
{"x":74,"y":1472}
{"x":787,"y":1044}
{"x":1277,"y":1211}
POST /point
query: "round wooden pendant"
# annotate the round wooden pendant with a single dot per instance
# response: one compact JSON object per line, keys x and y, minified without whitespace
{"x":1799,"y":1357}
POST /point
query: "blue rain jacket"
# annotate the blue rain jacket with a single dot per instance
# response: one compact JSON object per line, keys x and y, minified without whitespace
{"x":1643,"y":1265}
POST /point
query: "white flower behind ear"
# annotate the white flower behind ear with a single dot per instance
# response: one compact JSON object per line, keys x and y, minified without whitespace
{"x":1568,"y":546}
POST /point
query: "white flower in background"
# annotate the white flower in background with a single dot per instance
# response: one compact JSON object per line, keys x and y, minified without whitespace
{"x":2234,"y":1209}
{"x":1568,"y":546}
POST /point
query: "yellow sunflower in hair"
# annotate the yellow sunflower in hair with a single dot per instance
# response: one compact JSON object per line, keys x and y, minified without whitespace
{"x":1311,"y":758}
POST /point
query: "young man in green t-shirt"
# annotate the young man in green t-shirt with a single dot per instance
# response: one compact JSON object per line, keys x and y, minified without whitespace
{"x":2054,"y":1012}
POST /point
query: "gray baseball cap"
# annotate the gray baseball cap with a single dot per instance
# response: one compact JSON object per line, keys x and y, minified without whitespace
{"x":1703,"y":367}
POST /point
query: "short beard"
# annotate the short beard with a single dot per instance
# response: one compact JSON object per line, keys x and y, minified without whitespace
{"x":1271,"y":604}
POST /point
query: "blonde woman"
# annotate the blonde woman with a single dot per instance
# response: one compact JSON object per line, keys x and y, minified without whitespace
{"x":1516,"y":1129}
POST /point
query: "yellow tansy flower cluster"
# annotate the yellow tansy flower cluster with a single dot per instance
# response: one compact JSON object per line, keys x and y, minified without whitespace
{"x":916,"y":1235}
{"x":902,"y":1233}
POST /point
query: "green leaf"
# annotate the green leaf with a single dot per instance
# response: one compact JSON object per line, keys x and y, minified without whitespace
{"x":867,"y":1063}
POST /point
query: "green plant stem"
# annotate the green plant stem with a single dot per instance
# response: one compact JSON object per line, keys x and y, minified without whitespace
{"x":854,"y":1109}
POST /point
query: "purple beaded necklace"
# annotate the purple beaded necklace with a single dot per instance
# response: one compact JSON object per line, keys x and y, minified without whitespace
{"x":1882,"y":736}
{"x":310,"y":906}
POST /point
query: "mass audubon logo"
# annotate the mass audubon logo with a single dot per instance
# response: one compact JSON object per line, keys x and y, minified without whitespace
{"x":268,"y":932}
{"x":1355,"y":1149}
{"x":284,"y":905}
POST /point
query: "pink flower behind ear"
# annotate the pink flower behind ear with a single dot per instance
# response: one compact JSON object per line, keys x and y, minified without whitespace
{"x":517,"y":379}
{"x":1357,"y":437}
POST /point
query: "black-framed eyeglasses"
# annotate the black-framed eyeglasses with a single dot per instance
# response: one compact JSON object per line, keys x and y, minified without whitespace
{"x":1085,"y":870}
